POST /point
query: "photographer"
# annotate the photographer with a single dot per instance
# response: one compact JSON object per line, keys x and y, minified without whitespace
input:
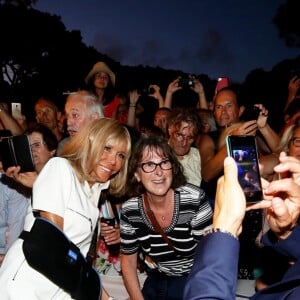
{"x":189,"y":83}
{"x":214,"y":276}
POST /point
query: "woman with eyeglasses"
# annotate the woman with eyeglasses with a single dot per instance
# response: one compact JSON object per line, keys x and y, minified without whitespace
{"x":161,"y":222}
{"x":43,"y":145}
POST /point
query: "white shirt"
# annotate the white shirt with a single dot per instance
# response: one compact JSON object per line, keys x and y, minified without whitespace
{"x":191,"y":163}
{"x":56,"y":190}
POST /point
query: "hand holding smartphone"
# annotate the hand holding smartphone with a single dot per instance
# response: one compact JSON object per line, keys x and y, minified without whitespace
{"x":16,"y":110}
{"x":244,"y":151}
{"x":108,"y":221}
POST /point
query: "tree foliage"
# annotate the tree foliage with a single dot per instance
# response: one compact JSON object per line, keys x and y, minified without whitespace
{"x":287,"y":22}
{"x":38,"y":56}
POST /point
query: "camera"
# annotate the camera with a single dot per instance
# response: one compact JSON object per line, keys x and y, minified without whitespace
{"x":250,"y":113}
{"x":146,"y":91}
{"x":186,"y":82}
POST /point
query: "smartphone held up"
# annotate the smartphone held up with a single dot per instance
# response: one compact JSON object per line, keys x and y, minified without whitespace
{"x":244,"y":151}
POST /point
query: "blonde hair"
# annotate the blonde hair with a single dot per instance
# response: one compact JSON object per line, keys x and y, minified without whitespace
{"x":286,"y":138}
{"x":87,"y":146}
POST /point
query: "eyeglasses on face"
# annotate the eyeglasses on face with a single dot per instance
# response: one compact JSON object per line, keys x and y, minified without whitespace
{"x":295,"y":141}
{"x":180,"y":137}
{"x":151,"y":166}
{"x":37,"y":145}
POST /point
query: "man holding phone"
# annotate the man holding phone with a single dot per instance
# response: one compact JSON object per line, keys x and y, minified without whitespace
{"x":283,"y":212}
{"x":227,"y":112}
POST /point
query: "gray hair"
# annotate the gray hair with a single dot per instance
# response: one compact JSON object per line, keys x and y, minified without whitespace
{"x":93,"y":105}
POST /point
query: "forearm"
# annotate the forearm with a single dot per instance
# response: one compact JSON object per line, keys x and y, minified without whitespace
{"x":9,"y":123}
{"x":202,"y":103}
{"x":168,"y":100}
{"x":131,"y":115}
{"x":214,"y":166}
{"x":270,"y":136}
{"x":130,"y":277}
{"x":161,"y":101}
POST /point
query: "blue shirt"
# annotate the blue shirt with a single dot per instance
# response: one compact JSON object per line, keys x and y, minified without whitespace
{"x":14,"y":202}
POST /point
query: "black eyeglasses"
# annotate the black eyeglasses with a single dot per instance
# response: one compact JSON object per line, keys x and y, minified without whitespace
{"x":295,"y":141}
{"x":151,"y":166}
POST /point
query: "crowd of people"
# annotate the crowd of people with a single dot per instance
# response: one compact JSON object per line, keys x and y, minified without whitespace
{"x":149,"y":196}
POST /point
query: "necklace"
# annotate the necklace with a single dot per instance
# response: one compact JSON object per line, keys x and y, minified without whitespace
{"x":164,"y":217}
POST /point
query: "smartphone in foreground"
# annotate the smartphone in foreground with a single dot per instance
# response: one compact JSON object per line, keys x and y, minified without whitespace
{"x":244,"y":151}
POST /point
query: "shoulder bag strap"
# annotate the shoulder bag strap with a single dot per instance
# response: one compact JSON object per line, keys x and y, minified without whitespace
{"x":155,"y":223}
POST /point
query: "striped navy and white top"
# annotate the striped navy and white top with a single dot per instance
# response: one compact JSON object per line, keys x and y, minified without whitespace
{"x":191,"y":218}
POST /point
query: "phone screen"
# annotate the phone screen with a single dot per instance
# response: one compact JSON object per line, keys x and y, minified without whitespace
{"x":244,"y":151}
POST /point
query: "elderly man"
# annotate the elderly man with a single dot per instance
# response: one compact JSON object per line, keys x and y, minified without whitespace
{"x":81,"y":107}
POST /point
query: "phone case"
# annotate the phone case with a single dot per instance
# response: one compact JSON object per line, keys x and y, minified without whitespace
{"x":16,"y":151}
{"x":16,"y":110}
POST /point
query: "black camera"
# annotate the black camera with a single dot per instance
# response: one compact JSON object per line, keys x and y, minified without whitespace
{"x":146,"y":91}
{"x":186,"y":82}
{"x":250,"y":113}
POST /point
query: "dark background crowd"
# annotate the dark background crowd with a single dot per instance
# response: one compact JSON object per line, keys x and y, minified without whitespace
{"x":40,"y":57}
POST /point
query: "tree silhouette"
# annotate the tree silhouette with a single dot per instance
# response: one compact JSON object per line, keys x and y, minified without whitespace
{"x":287,"y":22}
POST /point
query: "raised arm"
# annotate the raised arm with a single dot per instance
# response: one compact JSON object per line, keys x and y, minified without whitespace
{"x":214,"y":276}
{"x":172,"y":88}
{"x":199,"y":90}
{"x":293,"y":87}
{"x":8,"y":121}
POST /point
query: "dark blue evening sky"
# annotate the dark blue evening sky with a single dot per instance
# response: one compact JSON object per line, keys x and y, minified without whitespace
{"x":214,"y":37}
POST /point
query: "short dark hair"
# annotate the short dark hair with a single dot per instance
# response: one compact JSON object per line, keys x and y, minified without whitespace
{"x":159,"y":145}
{"x":48,"y":136}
